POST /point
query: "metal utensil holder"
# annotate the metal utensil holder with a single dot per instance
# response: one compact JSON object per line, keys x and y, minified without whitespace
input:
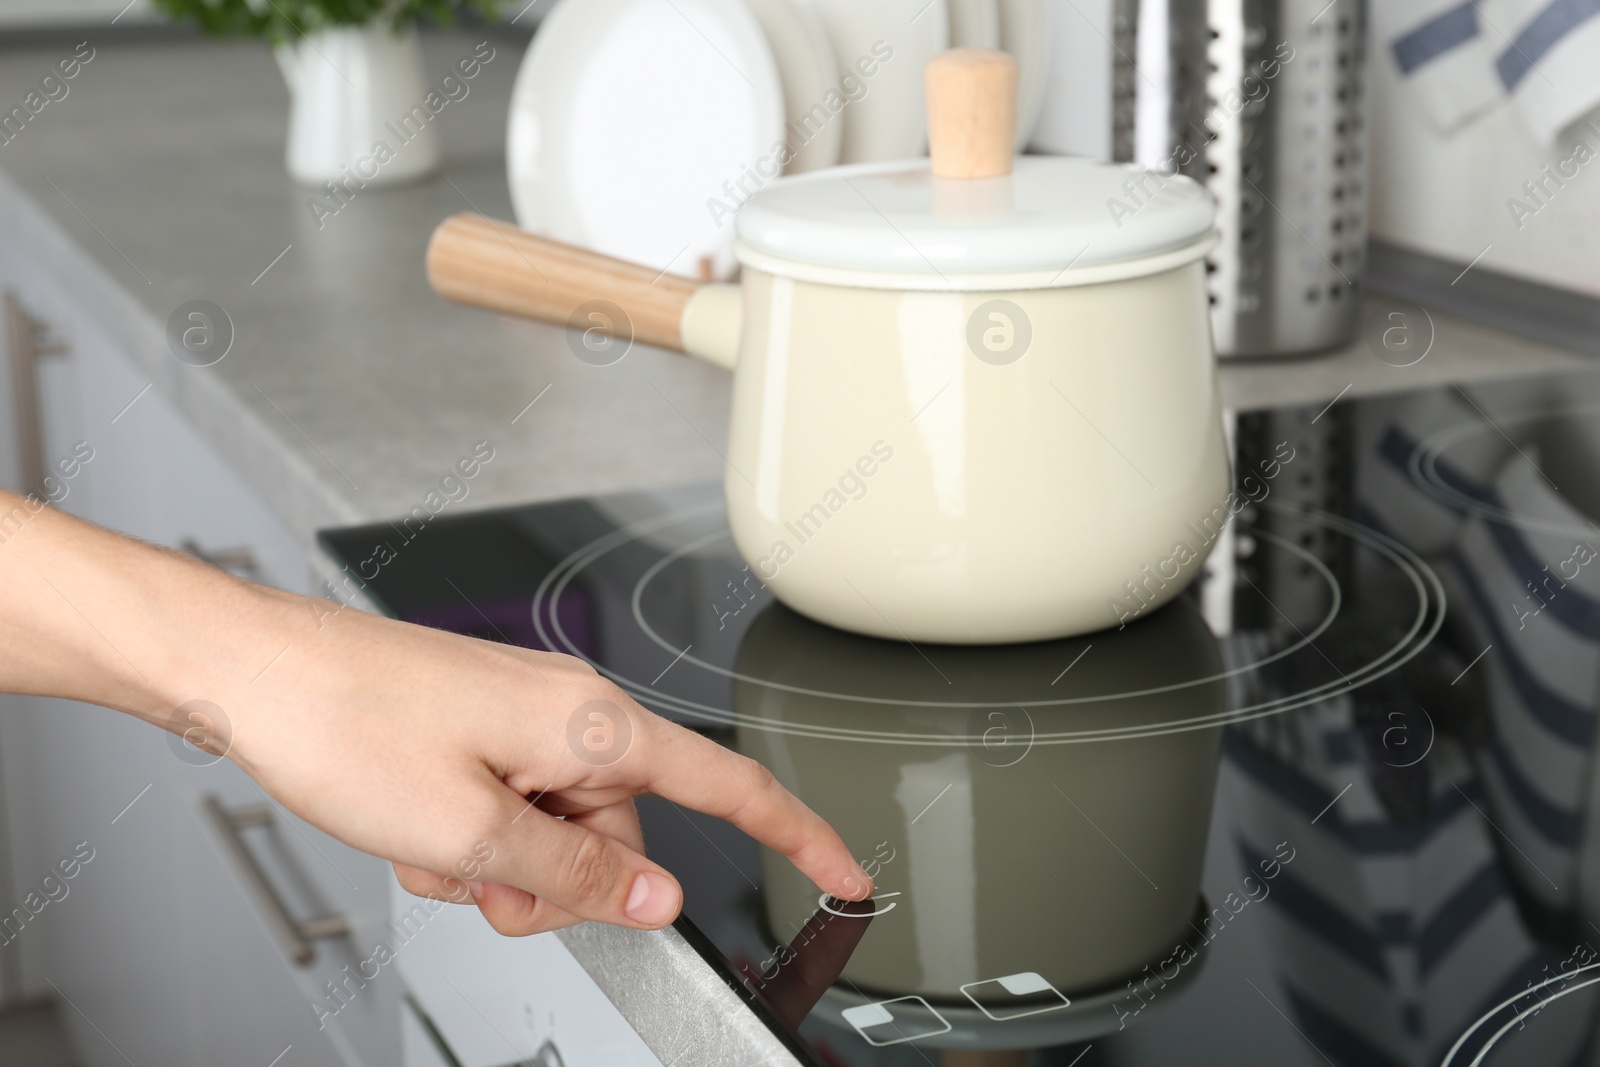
{"x":1264,"y":102}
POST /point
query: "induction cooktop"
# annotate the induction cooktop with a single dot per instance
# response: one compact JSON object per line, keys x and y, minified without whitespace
{"x":1331,"y":806}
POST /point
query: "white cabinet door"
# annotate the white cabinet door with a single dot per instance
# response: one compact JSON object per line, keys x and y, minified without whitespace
{"x":156,"y":945}
{"x":205,"y":507}
{"x":106,"y":941}
{"x":92,"y":438}
{"x":420,"y":1044}
{"x":341,"y":1008}
{"x":497,"y":1000}
{"x":113,"y":940}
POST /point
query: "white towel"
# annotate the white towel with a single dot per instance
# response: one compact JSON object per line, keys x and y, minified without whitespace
{"x":1548,"y":60}
{"x":1443,"y":54}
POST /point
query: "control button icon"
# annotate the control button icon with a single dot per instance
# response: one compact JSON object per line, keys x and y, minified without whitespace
{"x":894,"y":1022}
{"x":851,"y":909}
{"x":1015,"y":996}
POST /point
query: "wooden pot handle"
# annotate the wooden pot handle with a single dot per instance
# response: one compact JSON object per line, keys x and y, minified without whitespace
{"x":492,"y":264}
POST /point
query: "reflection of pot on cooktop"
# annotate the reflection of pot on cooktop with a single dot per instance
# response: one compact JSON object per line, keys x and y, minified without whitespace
{"x":999,"y":849}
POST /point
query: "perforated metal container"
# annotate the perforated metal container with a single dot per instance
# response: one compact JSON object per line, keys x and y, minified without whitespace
{"x":1289,"y":172}
{"x":1264,"y":102}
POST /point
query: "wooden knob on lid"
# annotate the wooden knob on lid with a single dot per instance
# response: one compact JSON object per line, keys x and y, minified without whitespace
{"x":972,"y":112}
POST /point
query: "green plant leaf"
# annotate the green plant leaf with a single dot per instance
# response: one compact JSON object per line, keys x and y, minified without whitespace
{"x":279,"y":21}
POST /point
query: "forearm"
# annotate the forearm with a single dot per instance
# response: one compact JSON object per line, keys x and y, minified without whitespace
{"x":90,"y":615}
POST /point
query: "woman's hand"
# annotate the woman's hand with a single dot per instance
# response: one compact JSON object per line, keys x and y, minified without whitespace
{"x":483,"y":772}
{"x":507,"y":774}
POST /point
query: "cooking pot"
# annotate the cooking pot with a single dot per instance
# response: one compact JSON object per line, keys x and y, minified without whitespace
{"x":1013,"y":824}
{"x":974,"y":397}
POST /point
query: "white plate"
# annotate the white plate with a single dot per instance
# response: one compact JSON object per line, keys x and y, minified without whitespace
{"x":974,"y":23}
{"x":1025,"y":33}
{"x":881,"y":47}
{"x":813,"y":102}
{"x":1075,"y":118}
{"x":638,"y":126}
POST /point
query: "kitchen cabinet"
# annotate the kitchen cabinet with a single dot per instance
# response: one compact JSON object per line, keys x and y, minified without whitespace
{"x":495,"y":1000}
{"x":159,"y":948}
{"x":420,"y":1043}
{"x":252,"y":1013}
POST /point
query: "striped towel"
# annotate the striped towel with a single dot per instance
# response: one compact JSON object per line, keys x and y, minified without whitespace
{"x":1461,"y":56}
{"x":1535,"y":604}
{"x":1442,"y":53}
{"x":1389,"y":497}
{"x":1390,"y":939}
{"x":1549,"y":61}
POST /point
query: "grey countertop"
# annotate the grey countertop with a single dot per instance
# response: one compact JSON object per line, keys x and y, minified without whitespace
{"x":351,"y":387}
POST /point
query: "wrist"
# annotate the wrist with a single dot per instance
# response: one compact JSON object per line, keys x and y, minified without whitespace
{"x":205,"y":638}
{"x":94,"y":617}
{"x":88,"y":615}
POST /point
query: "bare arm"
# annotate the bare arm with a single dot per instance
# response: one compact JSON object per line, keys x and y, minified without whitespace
{"x":409,"y":743}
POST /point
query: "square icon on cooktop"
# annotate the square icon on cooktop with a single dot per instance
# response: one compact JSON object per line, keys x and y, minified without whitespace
{"x":1015,"y":996}
{"x":894,"y":1022}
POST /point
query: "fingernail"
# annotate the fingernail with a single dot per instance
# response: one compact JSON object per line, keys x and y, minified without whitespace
{"x":860,"y":884}
{"x":653,"y":900}
{"x":476,"y":889}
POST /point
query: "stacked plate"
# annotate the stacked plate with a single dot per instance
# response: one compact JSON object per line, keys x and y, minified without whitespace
{"x":638,"y":127}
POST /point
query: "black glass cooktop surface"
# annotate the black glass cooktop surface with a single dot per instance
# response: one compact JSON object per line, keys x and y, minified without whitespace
{"x":1333,"y":805}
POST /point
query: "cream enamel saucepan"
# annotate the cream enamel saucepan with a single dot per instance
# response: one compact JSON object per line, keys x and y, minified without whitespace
{"x":974,"y":398}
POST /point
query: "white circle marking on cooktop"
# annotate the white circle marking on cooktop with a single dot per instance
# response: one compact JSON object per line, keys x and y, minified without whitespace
{"x":1423,"y":581}
{"x":1423,"y":465}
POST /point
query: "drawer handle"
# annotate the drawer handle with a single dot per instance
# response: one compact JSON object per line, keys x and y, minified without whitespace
{"x":29,"y":342}
{"x":295,"y":936}
{"x":547,"y":1056}
{"x":239,"y":562}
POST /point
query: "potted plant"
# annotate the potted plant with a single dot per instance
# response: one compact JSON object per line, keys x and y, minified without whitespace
{"x":354,"y":71}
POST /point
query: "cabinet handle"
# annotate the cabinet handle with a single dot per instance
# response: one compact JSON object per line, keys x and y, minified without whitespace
{"x":294,"y":936}
{"x":548,"y":1056}
{"x":28,"y":341}
{"x":240,"y":562}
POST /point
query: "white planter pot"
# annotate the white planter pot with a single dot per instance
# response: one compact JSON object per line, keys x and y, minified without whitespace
{"x":356,"y":108}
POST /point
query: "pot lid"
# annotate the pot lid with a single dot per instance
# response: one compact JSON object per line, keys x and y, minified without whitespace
{"x":1055,"y":215}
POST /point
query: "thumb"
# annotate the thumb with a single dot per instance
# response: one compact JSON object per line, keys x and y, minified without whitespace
{"x":581,"y":871}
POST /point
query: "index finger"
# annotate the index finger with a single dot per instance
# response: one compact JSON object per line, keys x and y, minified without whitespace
{"x":698,"y":773}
